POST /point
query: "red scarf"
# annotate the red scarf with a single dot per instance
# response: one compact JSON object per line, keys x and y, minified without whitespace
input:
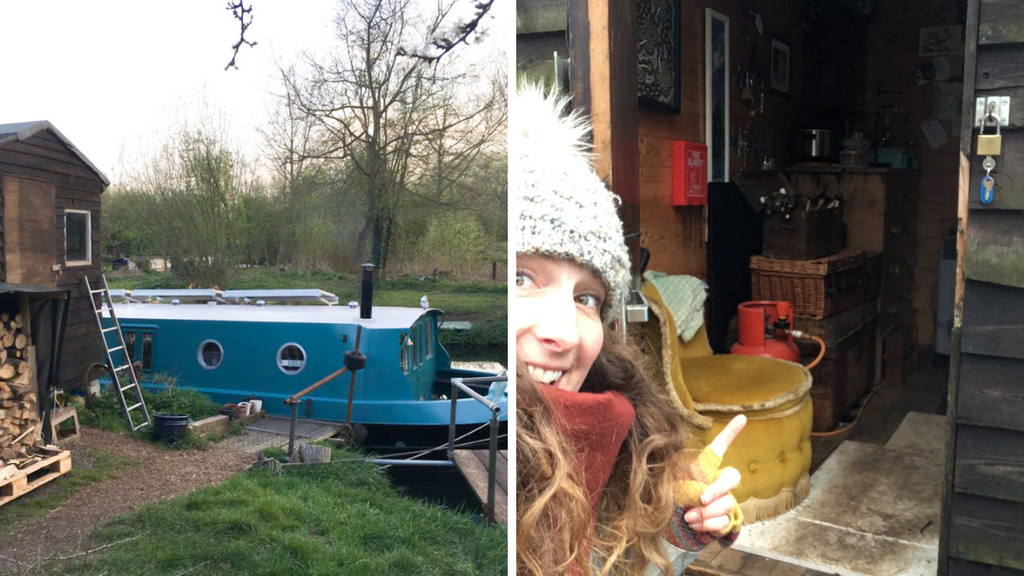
{"x":595,"y":425}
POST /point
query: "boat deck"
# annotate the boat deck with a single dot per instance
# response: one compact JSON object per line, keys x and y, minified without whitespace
{"x":272,"y":432}
{"x":474,"y":467}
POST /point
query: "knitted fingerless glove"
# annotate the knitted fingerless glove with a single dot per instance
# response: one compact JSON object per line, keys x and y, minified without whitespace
{"x":703,"y":471}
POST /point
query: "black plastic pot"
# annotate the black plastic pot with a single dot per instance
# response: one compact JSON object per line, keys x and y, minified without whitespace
{"x":170,"y":425}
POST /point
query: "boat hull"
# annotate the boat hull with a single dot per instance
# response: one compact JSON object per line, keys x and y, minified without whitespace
{"x":237,"y":353}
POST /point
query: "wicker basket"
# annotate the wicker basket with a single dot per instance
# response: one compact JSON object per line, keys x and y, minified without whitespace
{"x":815,"y":288}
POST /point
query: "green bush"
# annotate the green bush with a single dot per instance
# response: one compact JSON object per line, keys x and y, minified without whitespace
{"x":107,"y":414}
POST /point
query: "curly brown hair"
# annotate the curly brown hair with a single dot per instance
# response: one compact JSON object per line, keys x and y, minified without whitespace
{"x":553,"y":534}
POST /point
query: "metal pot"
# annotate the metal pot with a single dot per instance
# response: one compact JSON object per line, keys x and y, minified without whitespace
{"x":815,"y":145}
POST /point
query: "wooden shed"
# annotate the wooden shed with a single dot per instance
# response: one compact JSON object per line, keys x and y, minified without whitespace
{"x":50,"y":229}
{"x":742,"y":78}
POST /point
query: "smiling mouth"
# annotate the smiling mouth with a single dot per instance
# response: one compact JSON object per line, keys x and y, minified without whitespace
{"x":542,"y":376}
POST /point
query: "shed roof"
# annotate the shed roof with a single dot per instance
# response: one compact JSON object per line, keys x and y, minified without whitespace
{"x":25,"y":130}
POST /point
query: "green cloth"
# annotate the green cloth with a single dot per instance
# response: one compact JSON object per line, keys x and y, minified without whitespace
{"x":684,"y":296}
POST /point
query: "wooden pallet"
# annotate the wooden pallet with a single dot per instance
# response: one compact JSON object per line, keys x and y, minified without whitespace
{"x":34,"y":476}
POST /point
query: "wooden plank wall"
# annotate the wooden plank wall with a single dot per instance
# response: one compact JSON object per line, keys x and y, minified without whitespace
{"x":983,"y":528}
{"x":44,"y":156}
{"x":892,"y":58}
{"x":676,"y":235}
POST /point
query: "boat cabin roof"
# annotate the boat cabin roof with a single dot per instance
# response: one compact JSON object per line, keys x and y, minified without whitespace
{"x":383,"y":316}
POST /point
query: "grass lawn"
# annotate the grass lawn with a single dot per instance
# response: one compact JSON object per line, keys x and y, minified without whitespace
{"x":106,"y":465}
{"x":482,"y":303}
{"x":330,"y":519}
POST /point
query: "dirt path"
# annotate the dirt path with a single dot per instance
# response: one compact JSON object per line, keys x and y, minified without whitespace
{"x":164,"y":474}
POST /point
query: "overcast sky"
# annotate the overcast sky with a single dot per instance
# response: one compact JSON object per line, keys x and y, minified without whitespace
{"x":110,"y":73}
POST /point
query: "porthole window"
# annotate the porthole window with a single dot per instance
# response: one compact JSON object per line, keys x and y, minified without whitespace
{"x":211,"y":353}
{"x":291,"y":358}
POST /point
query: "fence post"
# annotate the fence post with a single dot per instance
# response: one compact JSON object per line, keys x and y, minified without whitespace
{"x":291,"y":431}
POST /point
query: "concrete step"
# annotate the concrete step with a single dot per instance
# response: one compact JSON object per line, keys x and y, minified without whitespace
{"x":871,"y":510}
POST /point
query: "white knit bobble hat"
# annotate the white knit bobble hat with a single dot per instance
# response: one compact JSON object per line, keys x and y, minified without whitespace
{"x":565,"y":210}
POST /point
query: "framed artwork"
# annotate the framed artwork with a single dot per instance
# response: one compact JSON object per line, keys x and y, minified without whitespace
{"x":716,"y":94}
{"x":780,"y":66}
{"x":658,"y":54}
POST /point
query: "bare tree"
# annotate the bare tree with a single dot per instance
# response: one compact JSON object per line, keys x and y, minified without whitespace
{"x":467,"y":123}
{"x":300,"y":169}
{"x":376,"y":108}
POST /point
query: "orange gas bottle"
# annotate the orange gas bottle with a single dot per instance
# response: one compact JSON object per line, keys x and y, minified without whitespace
{"x":763,"y":329}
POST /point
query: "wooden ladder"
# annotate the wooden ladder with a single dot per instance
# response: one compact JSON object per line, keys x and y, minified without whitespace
{"x":118,"y":368}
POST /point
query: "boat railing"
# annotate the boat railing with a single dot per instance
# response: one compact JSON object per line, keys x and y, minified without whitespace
{"x":354,"y":361}
{"x":295,"y":399}
{"x":461,"y":384}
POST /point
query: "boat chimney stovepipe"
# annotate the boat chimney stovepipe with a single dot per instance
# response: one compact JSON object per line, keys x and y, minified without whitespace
{"x":366,"y":292}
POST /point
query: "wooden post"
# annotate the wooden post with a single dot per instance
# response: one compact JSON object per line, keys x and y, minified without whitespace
{"x":602,"y":48}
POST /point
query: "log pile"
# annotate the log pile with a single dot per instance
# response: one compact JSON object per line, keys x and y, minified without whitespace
{"x":20,"y":427}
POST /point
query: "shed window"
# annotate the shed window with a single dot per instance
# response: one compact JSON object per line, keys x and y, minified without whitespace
{"x":77,"y":237}
{"x":291,"y":358}
{"x":210,"y":354}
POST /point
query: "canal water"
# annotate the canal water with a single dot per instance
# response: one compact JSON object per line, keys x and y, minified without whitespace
{"x":446,"y":486}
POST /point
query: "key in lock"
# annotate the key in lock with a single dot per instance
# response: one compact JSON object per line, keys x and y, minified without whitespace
{"x":990,"y":144}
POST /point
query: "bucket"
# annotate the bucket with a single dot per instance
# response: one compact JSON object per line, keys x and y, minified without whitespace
{"x":256,"y":406}
{"x":170,"y":425}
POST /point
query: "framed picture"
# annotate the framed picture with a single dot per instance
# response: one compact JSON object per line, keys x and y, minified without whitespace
{"x":941,"y":41}
{"x":658,"y":53}
{"x":716,"y":94}
{"x":780,"y":66}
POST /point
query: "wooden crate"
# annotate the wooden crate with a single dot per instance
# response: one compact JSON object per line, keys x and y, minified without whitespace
{"x":34,"y":476}
{"x":815,"y":288}
{"x":899,"y":353}
{"x":847,"y":371}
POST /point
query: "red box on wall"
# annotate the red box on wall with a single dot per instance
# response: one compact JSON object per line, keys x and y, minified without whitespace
{"x":689,"y":174}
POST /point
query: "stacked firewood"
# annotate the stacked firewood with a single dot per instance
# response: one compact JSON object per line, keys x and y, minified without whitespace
{"x":20,"y":427}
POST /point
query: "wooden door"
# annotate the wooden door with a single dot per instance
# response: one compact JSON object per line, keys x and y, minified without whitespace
{"x":983,"y":501}
{"x":29,"y":233}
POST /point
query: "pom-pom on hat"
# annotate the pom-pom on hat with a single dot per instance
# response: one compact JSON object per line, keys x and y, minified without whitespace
{"x":565,"y":210}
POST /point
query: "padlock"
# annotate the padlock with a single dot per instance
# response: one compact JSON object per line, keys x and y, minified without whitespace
{"x":990,"y":144}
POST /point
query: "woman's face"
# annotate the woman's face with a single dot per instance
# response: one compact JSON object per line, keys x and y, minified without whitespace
{"x":558,"y":319}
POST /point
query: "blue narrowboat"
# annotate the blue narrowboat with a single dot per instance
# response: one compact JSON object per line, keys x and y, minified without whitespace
{"x":232,"y":351}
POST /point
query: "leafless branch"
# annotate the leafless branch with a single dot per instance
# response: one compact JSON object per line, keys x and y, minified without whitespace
{"x":240,"y":12}
{"x":105,"y":546}
{"x":446,"y":44}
